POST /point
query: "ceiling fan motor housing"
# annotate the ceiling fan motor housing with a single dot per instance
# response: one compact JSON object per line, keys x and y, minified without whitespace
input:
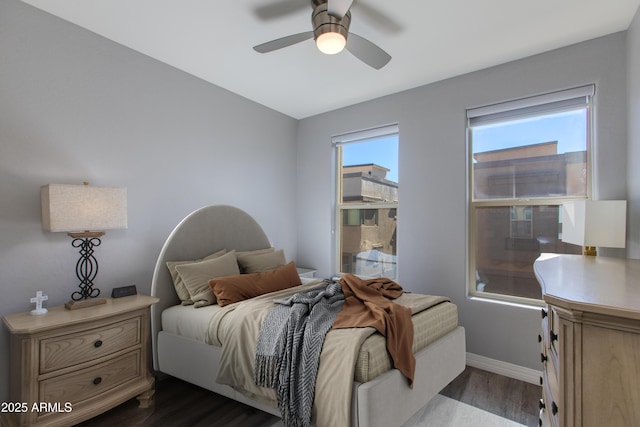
{"x":323,"y":22}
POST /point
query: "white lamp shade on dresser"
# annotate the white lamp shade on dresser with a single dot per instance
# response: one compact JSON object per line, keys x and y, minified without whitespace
{"x":83,"y":208}
{"x":595,"y":223}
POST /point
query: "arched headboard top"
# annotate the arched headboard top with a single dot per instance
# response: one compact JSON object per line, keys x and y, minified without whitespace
{"x":201,"y":233}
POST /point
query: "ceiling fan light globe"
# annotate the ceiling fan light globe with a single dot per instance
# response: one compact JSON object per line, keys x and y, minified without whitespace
{"x":331,"y":43}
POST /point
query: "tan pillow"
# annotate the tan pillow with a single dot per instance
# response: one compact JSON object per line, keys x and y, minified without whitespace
{"x":178,"y":284}
{"x":262,"y":262}
{"x":242,"y":255}
{"x":232,"y":289}
{"x":196,"y":276}
{"x":254,"y":252}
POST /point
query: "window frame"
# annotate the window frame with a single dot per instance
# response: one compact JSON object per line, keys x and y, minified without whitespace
{"x":510,"y":110}
{"x":339,"y":206}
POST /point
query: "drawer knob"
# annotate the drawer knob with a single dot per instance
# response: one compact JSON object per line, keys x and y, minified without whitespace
{"x":543,"y":313}
{"x":543,"y":358}
{"x":541,"y":404}
{"x":554,"y":408}
{"x":540,"y":422}
{"x":554,"y":336}
{"x":97,"y":380}
{"x":97,"y":344}
{"x":539,"y":338}
{"x":541,"y":381}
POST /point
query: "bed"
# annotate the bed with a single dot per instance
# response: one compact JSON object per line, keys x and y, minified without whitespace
{"x":378,"y":394}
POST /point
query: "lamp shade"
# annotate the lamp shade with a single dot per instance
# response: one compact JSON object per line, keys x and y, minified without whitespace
{"x":83,"y":208}
{"x":595,"y":223}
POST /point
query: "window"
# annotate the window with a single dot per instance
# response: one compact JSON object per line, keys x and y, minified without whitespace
{"x":360,"y":217}
{"x":526,"y":157}
{"x":367,"y":202}
{"x":521,"y":224}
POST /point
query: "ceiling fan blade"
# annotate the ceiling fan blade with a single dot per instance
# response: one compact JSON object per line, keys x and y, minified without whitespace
{"x":338,"y":8}
{"x":283,"y":42}
{"x":367,"y":52}
{"x":279,"y":9}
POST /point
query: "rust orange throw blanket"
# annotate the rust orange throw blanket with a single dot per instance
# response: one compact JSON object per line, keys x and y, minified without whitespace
{"x":368,"y":303}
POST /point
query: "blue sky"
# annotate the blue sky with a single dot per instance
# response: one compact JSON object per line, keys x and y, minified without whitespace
{"x":569,"y":129}
{"x":383,"y":152}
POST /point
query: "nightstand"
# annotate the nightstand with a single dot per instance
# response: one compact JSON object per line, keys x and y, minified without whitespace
{"x":70,"y":365}
{"x":307,"y":273}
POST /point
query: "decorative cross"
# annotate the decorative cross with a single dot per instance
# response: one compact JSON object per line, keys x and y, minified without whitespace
{"x":38,"y":299}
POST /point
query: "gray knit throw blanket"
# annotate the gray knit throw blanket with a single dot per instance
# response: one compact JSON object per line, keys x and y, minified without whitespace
{"x":289,"y":346}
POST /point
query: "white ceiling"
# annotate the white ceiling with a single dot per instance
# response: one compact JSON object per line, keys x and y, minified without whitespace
{"x":428,"y":40}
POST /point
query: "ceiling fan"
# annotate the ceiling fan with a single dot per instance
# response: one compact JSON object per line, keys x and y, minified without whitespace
{"x":330,"y":20}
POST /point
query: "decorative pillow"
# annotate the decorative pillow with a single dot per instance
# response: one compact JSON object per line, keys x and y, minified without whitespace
{"x":178,"y":284}
{"x":196,"y":276}
{"x":232,"y":289}
{"x":262,"y":262}
{"x":242,"y":255}
{"x":255,"y":252}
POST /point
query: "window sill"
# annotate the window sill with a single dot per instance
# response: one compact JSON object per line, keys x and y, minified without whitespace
{"x":506,"y":300}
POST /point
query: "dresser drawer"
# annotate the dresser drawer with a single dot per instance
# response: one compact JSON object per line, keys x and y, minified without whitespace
{"x":554,"y":328}
{"x":72,"y":349}
{"x":545,"y":421}
{"x":551,"y":394}
{"x":86,"y":383}
{"x":547,"y":417}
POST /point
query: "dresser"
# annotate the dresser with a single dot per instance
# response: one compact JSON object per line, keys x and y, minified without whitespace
{"x":71,"y":365}
{"x":590,"y":341}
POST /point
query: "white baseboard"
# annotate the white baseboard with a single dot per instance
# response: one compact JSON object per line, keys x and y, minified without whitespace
{"x":504,"y":368}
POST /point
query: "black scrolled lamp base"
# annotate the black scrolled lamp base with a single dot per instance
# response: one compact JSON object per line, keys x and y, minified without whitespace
{"x":86,"y":270}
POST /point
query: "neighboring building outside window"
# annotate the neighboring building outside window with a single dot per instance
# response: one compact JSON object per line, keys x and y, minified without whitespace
{"x":367,"y":202}
{"x":526,"y":157}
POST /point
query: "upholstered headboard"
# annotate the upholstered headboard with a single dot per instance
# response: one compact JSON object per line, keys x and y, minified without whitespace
{"x":207,"y":230}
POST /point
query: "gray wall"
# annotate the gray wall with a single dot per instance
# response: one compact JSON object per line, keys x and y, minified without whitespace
{"x":633,"y":170}
{"x":75,"y":107}
{"x":432,"y":160}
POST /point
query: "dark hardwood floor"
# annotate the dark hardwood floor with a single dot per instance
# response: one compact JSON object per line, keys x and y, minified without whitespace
{"x":179,"y":404}
{"x":500,"y":395}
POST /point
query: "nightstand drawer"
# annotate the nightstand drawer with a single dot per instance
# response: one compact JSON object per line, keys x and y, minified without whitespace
{"x":72,"y":349}
{"x":84,"y":384}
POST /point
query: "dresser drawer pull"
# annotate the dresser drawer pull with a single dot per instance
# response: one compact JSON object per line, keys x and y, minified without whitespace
{"x":554,"y":336}
{"x":543,"y":358}
{"x":539,"y":338}
{"x":541,"y":404}
{"x":540,"y":422}
{"x":541,"y":381}
{"x":97,"y":344}
{"x":97,"y":380}
{"x":543,"y":313}
{"x":554,"y":408}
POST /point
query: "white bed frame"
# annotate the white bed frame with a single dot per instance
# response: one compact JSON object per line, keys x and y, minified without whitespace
{"x":385,"y":401}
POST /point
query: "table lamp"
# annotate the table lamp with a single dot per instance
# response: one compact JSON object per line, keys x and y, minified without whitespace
{"x":84,"y":212}
{"x":591,"y":223}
